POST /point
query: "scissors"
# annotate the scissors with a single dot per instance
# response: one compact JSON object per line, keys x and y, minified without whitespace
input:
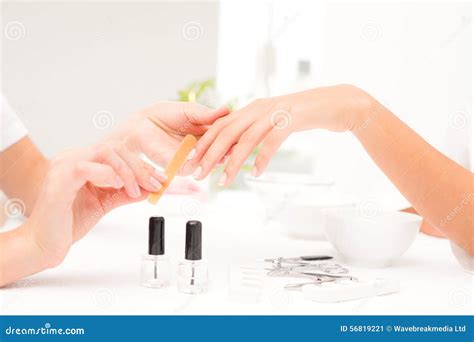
{"x":322,"y":277}
{"x":306,"y":263}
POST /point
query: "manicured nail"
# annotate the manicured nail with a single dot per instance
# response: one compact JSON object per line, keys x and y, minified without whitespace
{"x":118,"y":182}
{"x":222,"y":180}
{"x":155,"y":183}
{"x":136,"y":191}
{"x":197,"y":172}
{"x":254,"y":171}
{"x":161,"y":175}
{"x":191,"y":154}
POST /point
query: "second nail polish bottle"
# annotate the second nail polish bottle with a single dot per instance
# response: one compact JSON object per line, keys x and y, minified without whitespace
{"x":155,"y":268}
{"x":192,"y":272}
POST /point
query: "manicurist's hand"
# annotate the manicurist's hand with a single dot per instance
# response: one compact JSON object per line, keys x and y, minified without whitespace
{"x":80,"y":187}
{"x":65,"y":197}
{"x":271,"y":121}
{"x":157,"y":131}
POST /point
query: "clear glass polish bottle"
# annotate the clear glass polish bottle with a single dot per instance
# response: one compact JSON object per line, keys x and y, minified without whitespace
{"x":192,"y":272}
{"x":155,"y":267}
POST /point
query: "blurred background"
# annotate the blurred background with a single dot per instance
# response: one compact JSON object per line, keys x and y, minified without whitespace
{"x":74,"y":70}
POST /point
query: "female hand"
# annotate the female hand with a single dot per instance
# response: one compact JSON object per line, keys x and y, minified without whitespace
{"x":157,"y":132}
{"x":80,"y":187}
{"x":83,"y":185}
{"x":271,"y":121}
{"x":71,"y":193}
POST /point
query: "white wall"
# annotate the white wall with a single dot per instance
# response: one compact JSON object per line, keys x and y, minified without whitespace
{"x":76,"y":58}
{"x":415,"y":57}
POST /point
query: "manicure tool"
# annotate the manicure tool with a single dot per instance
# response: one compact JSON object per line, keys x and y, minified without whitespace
{"x":178,"y":160}
{"x":306,"y":264}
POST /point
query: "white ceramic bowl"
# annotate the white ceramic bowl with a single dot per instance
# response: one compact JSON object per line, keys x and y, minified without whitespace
{"x":371,"y":241}
{"x":296,"y":201}
{"x":305,"y":217}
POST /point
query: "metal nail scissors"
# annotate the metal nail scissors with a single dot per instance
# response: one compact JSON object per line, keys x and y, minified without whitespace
{"x":312,"y":263}
{"x":308,"y":274}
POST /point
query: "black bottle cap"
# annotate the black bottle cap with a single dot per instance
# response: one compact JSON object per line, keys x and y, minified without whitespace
{"x":193,"y":248}
{"x":156,"y":235}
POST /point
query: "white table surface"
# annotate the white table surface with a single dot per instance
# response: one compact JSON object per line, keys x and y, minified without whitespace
{"x":101,"y":273}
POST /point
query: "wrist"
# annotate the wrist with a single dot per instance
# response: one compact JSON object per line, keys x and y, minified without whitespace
{"x":19,"y":255}
{"x":362,"y":108}
{"x":43,"y":259}
{"x":31,"y":248}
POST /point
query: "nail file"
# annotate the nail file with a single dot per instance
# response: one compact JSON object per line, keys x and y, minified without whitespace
{"x":176,"y":163}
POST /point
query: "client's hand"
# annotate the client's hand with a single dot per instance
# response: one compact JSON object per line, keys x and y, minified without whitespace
{"x":271,"y":121}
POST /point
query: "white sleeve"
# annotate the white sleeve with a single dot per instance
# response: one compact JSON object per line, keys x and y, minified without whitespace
{"x":11,"y":128}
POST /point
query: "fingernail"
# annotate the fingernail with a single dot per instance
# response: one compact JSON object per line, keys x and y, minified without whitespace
{"x":222,"y":180}
{"x":254,"y":171}
{"x":197,"y":172}
{"x":118,"y":182}
{"x":161,"y":174}
{"x":136,"y":191}
{"x":155,"y":184}
{"x":191,"y":154}
{"x":226,"y":159}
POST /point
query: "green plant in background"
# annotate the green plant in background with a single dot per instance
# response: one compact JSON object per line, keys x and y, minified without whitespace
{"x":194,"y":91}
{"x":203,"y":92}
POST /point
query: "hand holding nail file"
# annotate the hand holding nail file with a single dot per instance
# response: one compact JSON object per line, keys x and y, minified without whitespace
{"x":178,"y":160}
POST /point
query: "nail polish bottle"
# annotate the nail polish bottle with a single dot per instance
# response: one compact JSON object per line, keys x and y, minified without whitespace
{"x":192,"y":272}
{"x":155,"y":267}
